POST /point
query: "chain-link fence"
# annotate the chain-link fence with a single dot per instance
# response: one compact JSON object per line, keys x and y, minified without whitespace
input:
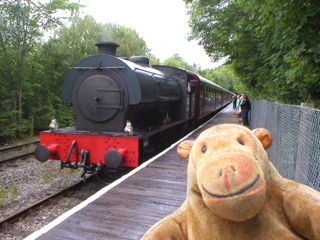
{"x":295,"y":150}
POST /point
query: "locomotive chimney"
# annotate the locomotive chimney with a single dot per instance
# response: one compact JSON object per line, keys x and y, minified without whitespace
{"x":107,"y":48}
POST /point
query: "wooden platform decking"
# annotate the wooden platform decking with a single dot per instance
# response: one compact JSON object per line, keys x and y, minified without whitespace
{"x":129,"y":209}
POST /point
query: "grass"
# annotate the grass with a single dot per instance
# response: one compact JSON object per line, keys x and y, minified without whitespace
{"x":3,"y":194}
{"x":14,"y":192}
{"x":51,"y":173}
{"x":4,"y":198}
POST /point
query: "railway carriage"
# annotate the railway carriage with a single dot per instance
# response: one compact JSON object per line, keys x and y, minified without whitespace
{"x":125,"y":108}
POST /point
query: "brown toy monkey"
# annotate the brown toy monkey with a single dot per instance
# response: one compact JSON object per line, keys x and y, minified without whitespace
{"x":234,"y":192}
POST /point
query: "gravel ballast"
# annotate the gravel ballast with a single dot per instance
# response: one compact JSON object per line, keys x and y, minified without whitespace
{"x":25,"y":182}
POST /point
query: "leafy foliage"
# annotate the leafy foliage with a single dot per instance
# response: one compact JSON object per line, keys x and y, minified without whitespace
{"x":223,"y":76}
{"x":178,"y":62}
{"x":272,"y":46}
{"x":22,"y":24}
{"x":128,"y":39}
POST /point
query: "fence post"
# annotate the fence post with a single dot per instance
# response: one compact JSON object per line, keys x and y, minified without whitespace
{"x":303,"y":159}
{"x":308,"y":105}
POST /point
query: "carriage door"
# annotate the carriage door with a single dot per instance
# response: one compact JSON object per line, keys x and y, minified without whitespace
{"x":190,"y":98}
{"x":193,"y":97}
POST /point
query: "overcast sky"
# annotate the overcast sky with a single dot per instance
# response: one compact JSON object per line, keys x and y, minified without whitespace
{"x":163,"y":24}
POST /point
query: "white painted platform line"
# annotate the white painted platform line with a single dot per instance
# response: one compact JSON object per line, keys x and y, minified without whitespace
{"x":107,"y":188}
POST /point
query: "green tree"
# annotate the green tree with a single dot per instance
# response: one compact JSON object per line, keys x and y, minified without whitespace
{"x":128,"y":39}
{"x":153,"y":59}
{"x":272,"y":46}
{"x":223,"y":76}
{"x":22,"y":24}
{"x":220,"y":27}
{"x":178,"y":62}
{"x":42,"y":90}
{"x":290,"y":36}
{"x":79,"y":39}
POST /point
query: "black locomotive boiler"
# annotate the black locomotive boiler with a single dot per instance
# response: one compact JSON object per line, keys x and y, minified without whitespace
{"x":125,"y":108}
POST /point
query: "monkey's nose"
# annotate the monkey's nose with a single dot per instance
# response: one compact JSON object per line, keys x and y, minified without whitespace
{"x":223,"y":171}
{"x":227,"y":174}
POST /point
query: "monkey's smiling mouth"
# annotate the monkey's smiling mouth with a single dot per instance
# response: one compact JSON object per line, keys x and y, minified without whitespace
{"x":242,"y":190}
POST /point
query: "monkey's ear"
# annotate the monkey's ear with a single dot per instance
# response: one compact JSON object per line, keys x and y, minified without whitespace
{"x":184,"y":149}
{"x":264,"y":136}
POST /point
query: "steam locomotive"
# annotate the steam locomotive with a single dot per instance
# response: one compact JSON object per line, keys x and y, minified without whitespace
{"x":124,"y":108}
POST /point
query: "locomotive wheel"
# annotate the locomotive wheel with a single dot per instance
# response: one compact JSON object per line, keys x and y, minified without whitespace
{"x":103,"y":177}
{"x":106,"y":176}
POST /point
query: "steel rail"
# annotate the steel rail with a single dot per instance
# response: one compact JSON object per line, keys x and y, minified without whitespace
{"x":3,"y":150}
{"x":25,"y":211}
{"x":22,"y":156}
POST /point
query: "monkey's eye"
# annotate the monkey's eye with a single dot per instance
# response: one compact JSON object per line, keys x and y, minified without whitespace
{"x":240,"y":141}
{"x":204,"y":148}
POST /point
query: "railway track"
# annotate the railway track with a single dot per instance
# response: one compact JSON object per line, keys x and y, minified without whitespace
{"x":8,"y":150}
{"x":27,"y":210}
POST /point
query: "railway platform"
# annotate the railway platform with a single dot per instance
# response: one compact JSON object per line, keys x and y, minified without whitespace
{"x":127,"y":208}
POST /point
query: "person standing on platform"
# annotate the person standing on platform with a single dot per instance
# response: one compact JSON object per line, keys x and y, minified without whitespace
{"x":245,"y":108}
{"x":234,"y":101}
{"x":238,"y":103}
